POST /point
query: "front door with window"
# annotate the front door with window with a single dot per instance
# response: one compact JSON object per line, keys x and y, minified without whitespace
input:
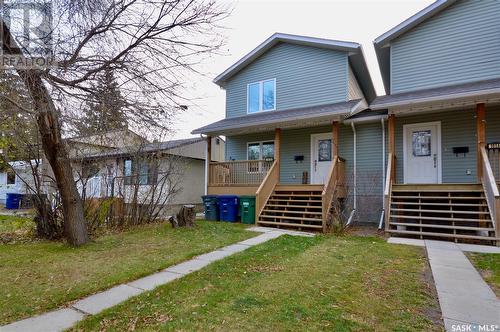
{"x":321,"y":157}
{"x":422,"y":153}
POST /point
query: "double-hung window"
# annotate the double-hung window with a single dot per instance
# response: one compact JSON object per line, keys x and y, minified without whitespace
{"x":261,"y":96}
{"x":140,"y":171}
{"x":259,"y":151}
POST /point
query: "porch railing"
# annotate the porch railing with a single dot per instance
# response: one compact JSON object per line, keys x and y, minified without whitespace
{"x":334,"y":181}
{"x":266,"y":188}
{"x":389,"y":179}
{"x":491,"y":190}
{"x":238,"y":172}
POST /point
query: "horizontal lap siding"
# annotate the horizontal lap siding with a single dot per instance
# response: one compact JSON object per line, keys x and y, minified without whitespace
{"x":369,"y":171}
{"x":298,"y":142}
{"x":458,"y":128}
{"x":460,"y":44}
{"x":236,"y":146}
{"x":493,"y":135}
{"x":305,"y":76}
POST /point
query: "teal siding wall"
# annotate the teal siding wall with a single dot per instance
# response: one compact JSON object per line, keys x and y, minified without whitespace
{"x":458,"y":128}
{"x":460,"y":44}
{"x":493,"y":135}
{"x":369,"y":175}
{"x":298,"y":142}
{"x":493,"y":124}
{"x":305,"y":76}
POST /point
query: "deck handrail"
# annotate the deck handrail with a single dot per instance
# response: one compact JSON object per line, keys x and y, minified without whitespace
{"x":389,"y":179}
{"x":266,"y":188}
{"x":238,"y":172}
{"x":334,"y":179}
{"x":491,"y":190}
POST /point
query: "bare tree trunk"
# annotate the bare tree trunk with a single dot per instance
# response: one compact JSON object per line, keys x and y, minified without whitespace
{"x":75,"y":227}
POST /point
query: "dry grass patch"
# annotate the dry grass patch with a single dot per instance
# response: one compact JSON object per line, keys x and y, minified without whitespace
{"x":290,"y":284}
{"x":37,"y":277}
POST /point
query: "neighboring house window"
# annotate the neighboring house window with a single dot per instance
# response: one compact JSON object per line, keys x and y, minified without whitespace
{"x":11,"y":177}
{"x":90,"y":170}
{"x":261,"y":96}
{"x":140,"y":171}
{"x":259,"y":151}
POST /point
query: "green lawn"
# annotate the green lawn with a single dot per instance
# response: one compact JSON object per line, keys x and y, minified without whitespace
{"x":290,"y":284}
{"x":10,"y":224}
{"x":489,"y":266}
{"x":38,"y":276}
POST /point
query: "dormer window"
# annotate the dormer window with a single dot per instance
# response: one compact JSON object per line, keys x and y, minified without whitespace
{"x":261,"y":96}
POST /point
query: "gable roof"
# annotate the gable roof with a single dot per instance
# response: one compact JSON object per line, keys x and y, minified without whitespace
{"x":382,"y":43}
{"x":355,"y":54}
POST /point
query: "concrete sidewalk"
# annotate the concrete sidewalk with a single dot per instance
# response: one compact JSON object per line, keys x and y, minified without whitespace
{"x":59,"y":320}
{"x":467,"y":302}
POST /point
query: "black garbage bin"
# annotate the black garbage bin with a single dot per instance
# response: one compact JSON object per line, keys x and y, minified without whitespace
{"x":211,"y":208}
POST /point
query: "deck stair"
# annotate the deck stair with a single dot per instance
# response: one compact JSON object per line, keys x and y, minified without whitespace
{"x":457,"y":212}
{"x":294,"y":206}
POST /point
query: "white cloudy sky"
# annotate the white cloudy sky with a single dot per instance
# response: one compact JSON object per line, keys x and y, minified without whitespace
{"x":252,"y":21}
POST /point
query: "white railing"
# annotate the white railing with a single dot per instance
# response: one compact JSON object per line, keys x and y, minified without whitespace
{"x":491,"y":190}
{"x":389,"y":179}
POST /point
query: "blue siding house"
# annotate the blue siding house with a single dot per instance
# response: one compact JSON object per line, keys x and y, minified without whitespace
{"x":307,"y":135}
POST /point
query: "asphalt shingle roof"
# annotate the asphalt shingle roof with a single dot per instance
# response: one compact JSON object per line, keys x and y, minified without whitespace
{"x":451,"y":91}
{"x":275,"y":117}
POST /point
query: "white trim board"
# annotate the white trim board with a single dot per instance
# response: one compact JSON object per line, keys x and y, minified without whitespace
{"x":439,"y":150}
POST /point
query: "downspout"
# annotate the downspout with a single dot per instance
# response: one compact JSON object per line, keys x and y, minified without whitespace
{"x":383,"y":174}
{"x":355,"y":199}
{"x":206,"y":164}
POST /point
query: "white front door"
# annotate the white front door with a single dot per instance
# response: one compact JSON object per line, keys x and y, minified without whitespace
{"x":422,"y":152}
{"x":321,"y":157}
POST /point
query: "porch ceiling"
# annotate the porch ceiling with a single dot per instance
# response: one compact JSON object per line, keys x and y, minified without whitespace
{"x":293,"y":118}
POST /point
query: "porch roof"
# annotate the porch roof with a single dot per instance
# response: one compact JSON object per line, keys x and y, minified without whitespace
{"x":291,"y":118}
{"x":479,"y":90}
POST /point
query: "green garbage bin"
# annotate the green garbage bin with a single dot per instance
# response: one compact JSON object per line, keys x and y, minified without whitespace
{"x":247,"y":209}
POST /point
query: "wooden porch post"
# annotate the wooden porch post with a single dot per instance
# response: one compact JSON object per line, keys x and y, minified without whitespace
{"x":481,"y":137}
{"x":277,"y":149}
{"x":392,"y":141}
{"x":335,"y":138}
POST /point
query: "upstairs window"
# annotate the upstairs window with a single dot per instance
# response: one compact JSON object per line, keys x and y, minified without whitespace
{"x":261,"y":96}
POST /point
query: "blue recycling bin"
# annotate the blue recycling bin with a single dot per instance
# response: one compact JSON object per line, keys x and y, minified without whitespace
{"x":13,"y":201}
{"x":211,"y":207}
{"x":228,"y":207}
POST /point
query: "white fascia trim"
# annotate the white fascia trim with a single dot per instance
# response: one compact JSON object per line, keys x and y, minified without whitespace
{"x":436,"y":98}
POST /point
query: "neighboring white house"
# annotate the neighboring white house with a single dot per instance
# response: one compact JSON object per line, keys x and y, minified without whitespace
{"x":141,"y":169}
{"x":114,"y":165}
{"x":15,"y":179}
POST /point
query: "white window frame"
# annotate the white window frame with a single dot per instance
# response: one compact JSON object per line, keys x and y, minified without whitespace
{"x":261,"y":95}
{"x":260,"y":153}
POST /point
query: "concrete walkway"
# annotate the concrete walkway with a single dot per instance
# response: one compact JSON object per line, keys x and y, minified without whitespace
{"x":467,"y":302}
{"x":59,"y":320}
